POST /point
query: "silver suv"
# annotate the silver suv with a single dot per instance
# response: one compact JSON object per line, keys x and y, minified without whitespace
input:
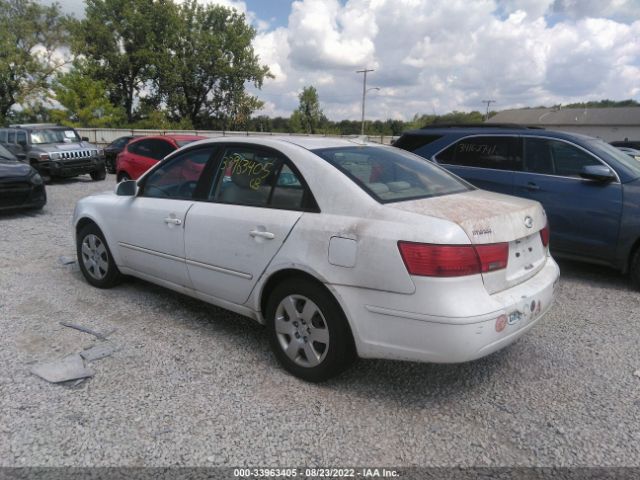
{"x":53,"y":150}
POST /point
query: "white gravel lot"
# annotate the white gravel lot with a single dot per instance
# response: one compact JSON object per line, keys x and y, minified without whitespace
{"x":193,"y":385}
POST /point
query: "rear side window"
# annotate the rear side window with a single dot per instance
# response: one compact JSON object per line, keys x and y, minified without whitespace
{"x":391,"y":175}
{"x":411,"y":143}
{"x":250,"y":176}
{"x":499,"y":153}
{"x":3,"y":135}
{"x":11,"y":136}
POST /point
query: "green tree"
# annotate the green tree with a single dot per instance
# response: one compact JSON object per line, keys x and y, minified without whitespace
{"x":308,"y":117}
{"x":31,"y":37}
{"x":85,"y":101}
{"x":209,"y":63}
{"x":123,"y":41}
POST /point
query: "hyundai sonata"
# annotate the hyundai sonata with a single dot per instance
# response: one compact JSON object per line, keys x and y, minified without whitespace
{"x":341,"y":248}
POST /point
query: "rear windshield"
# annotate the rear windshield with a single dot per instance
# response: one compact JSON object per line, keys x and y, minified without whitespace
{"x":391,"y":175}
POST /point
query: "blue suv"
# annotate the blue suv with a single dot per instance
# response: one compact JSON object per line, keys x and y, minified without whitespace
{"x":589,"y":189}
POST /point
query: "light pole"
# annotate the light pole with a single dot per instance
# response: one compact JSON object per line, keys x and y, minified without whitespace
{"x":364,"y":93}
{"x":488,"y":102}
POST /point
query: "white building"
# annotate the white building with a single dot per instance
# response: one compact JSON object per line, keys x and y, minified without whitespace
{"x":609,"y":124}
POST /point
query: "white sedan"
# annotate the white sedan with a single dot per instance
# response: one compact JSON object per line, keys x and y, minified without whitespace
{"x":341,"y":248}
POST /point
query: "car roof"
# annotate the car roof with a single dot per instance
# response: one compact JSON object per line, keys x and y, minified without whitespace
{"x":496,"y":130}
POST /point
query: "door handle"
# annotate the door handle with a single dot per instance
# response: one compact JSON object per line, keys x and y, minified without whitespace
{"x":532,"y":187}
{"x":262,"y":234}
{"x":173,"y":221}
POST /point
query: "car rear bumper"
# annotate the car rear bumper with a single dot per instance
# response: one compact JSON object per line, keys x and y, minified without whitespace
{"x":382,"y":328}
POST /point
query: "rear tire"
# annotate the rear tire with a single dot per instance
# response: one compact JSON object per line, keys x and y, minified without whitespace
{"x":308,"y":331}
{"x":634,"y":269}
{"x":99,"y":174}
{"x":95,"y":259}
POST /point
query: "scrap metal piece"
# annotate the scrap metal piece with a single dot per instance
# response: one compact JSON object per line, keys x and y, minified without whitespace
{"x":64,"y":260}
{"x":98,"y":335}
{"x":68,"y":368}
{"x":97,"y":352}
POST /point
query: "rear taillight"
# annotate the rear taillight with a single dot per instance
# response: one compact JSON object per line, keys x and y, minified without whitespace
{"x":453,"y":260}
{"x":544,"y":235}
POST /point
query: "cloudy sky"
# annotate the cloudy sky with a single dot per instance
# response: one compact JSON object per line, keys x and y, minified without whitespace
{"x":443,"y":55}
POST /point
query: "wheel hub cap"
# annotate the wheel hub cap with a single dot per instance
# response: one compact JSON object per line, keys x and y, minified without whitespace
{"x":94,"y":256}
{"x":302,"y":330}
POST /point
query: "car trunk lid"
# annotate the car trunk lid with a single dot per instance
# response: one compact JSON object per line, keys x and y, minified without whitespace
{"x":487,"y":218}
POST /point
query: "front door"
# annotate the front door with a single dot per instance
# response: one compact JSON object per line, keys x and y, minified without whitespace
{"x":256,"y":200}
{"x":584,"y":215}
{"x":151,"y":230}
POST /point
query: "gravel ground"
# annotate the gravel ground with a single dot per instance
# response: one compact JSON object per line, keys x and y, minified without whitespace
{"x":192,"y":384}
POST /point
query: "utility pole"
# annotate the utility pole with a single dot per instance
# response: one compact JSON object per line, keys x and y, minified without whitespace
{"x":488,"y":102}
{"x":364,"y":93}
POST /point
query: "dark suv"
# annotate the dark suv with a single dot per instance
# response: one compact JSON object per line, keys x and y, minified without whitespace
{"x":54,"y":151}
{"x":589,"y":189}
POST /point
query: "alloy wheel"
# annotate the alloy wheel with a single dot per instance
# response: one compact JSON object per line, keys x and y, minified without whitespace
{"x":302,"y":330}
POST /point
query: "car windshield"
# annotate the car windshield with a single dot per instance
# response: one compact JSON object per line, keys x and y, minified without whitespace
{"x":629,"y":162}
{"x":54,"y":135}
{"x":392,"y":175}
{"x":6,"y":154}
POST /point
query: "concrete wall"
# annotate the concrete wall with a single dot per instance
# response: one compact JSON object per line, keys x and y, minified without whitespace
{"x":103,"y":136}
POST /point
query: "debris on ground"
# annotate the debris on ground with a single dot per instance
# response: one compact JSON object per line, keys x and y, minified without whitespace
{"x":68,"y":368}
{"x":637,"y":373}
{"x":64,"y":260}
{"x":97,"y":352}
{"x":98,"y":335}
{"x":162,"y":432}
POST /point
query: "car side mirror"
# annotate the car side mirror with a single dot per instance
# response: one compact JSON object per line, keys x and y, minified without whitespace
{"x":598,"y":173}
{"x":85,"y":139}
{"x":128,"y":188}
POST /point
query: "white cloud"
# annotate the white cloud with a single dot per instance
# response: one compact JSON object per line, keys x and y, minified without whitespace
{"x":443,"y":55}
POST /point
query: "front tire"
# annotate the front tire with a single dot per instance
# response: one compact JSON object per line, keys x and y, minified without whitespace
{"x":99,"y":174}
{"x":308,"y":331}
{"x":95,"y":259}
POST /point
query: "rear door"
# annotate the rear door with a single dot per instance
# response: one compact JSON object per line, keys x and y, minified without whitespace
{"x":256,"y":199}
{"x":488,"y":162}
{"x":584,"y":215}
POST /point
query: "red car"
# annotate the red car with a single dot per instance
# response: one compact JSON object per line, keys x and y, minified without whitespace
{"x":142,"y":153}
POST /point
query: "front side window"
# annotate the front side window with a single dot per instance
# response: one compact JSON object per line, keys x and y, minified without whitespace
{"x":21,"y":137}
{"x":54,"y":135}
{"x":179,"y":177}
{"x":249,"y":176}
{"x":391,"y":175}
{"x":554,"y":157}
{"x":498,"y":153}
